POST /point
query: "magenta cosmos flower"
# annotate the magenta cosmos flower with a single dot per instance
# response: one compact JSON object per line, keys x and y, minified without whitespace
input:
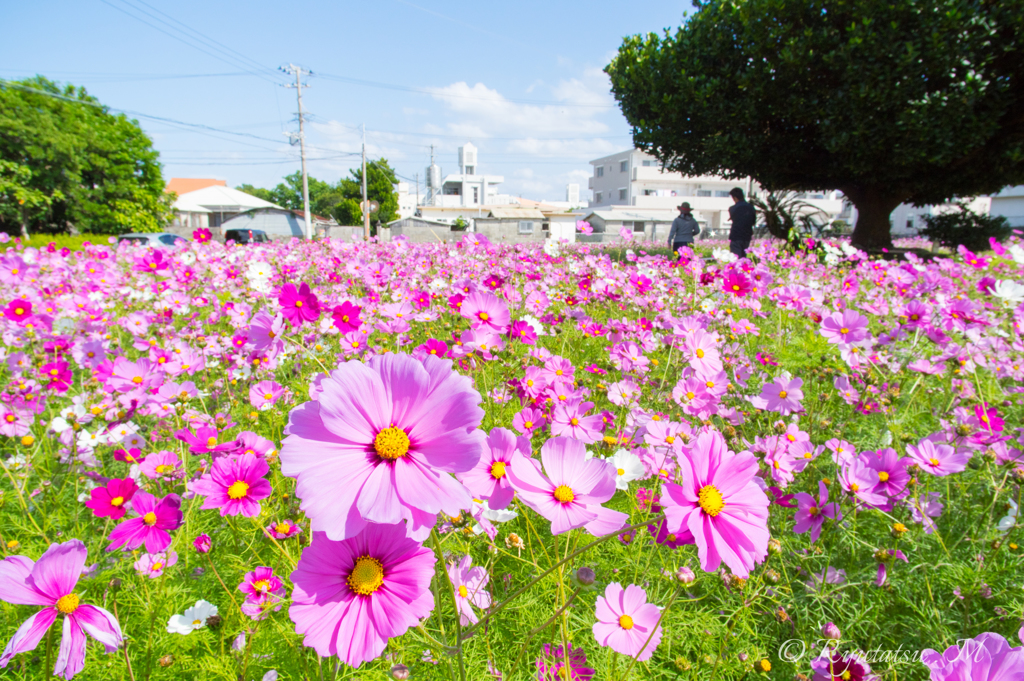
{"x":719,"y":503}
{"x":235,"y":485}
{"x":571,"y":493}
{"x":152,"y":527}
{"x":811,"y":514}
{"x":626,"y":622}
{"x":986,"y":657}
{"x":379,"y":441}
{"x":489,"y":478}
{"x":50,"y":582}
{"x":469,"y":583}
{"x":110,"y":500}
{"x":351,"y":596}
{"x":298,"y":305}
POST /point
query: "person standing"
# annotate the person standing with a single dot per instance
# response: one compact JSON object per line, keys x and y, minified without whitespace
{"x":743,"y":217}
{"x":684,"y":229}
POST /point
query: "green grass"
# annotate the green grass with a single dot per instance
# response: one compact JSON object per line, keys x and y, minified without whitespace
{"x":69,"y":241}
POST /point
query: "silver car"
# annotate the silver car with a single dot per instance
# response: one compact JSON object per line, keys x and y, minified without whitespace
{"x":155,"y":239}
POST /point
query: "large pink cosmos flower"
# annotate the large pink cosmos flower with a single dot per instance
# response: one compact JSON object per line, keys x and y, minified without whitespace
{"x":351,"y":596}
{"x":111,"y":499}
{"x":488,"y":479}
{"x":468,"y":583}
{"x":299,"y":305}
{"x":235,"y":485}
{"x":986,"y":657}
{"x":50,"y":582}
{"x":156,"y":519}
{"x":571,"y":494}
{"x":844,"y":328}
{"x":378,"y":442}
{"x":720,"y":504}
{"x":626,"y":622}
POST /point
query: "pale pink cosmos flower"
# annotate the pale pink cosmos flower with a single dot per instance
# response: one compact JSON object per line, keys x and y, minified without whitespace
{"x":938,"y":458}
{"x":468,"y":583}
{"x":235,"y":485}
{"x":152,"y":565}
{"x":626,"y":622}
{"x":265,"y":394}
{"x":783,"y":395}
{"x":844,"y":328}
{"x":571,"y":493}
{"x":489,"y":478}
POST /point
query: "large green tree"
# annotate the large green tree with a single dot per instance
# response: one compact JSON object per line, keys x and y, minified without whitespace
{"x":914,"y":101}
{"x":67,"y":162}
{"x":288,"y":194}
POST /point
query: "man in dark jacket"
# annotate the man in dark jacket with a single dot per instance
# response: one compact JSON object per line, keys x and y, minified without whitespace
{"x":743,"y":217}
{"x":684,"y":229}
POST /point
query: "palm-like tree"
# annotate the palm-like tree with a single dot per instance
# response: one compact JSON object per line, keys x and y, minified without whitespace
{"x":782,"y":211}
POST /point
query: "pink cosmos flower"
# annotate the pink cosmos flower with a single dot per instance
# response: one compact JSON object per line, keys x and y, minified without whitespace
{"x":346,"y":317}
{"x":378,"y":443}
{"x":204,"y":441}
{"x":50,"y":583}
{"x":235,"y":485}
{"x":487,"y":312}
{"x":265,"y":394}
{"x":568,"y":419}
{"x":986,"y":657}
{"x":557,"y":665}
{"x":263,"y":589}
{"x":783,"y":395}
{"x":937,"y":458}
{"x":298,"y":305}
{"x":152,"y":565}
{"x":202,"y":543}
{"x":736,"y":283}
{"x":811,"y":514}
{"x":890,"y":471}
{"x":109,"y":501}
{"x":700,"y":349}
{"x":160,"y":466}
{"x":571,"y":494}
{"x":151,"y":527}
{"x":720,"y":504}
{"x":127,"y":375}
{"x":529,"y":420}
{"x":469,"y":583}
{"x":265,"y":333}
{"x":56,"y":376}
{"x":283,"y":529}
{"x":351,"y":596}
{"x":626,"y":622}
{"x":844,"y":328}
{"x":202,"y":235}
{"x":489,"y":478}
{"x":18,"y":310}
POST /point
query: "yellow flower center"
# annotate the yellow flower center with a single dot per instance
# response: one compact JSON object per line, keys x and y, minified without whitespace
{"x":484,"y":316}
{"x":298,"y":303}
{"x":391,"y":443}
{"x":854,"y":487}
{"x":574,"y":421}
{"x":268,"y":396}
{"x":883,"y":476}
{"x":149,"y":518}
{"x":164,"y":468}
{"x":19,"y":311}
{"x":261,"y":585}
{"x":282,"y":528}
{"x":238,"y":490}
{"x":622,"y":471}
{"x":626,"y":622}
{"x":367,"y":576}
{"x":563,"y":494}
{"x":117,"y":501}
{"x":783,"y":394}
{"x":462,"y":591}
{"x":211,"y":442}
{"x":844,"y":330}
{"x":527,"y":424}
{"x":498,"y":470}
{"x":710,"y":499}
{"x":157,"y":567}
{"x":558,"y":372}
{"x":699,"y":353}
{"x":68,"y":604}
{"x":137,"y":380}
{"x":813,"y":510}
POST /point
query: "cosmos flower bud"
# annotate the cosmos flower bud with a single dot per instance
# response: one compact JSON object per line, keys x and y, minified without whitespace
{"x":214,"y":621}
{"x":831,"y":631}
{"x":166,"y":660}
{"x":400,"y":672}
{"x":774,"y":546}
{"x":686,"y":575}
{"x":585,"y":576}
{"x":203,"y":543}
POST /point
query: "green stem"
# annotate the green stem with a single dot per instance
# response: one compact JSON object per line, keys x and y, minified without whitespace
{"x":455,"y":603}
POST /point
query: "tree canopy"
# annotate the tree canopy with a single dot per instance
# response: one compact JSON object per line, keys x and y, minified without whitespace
{"x":67,"y":162}
{"x":918,"y":101}
{"x":341,"y":200}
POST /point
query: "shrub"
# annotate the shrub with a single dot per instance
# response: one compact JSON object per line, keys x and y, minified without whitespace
{"x":966,"y":228}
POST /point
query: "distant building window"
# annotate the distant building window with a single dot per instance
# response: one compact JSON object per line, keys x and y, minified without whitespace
{"x":623,"y":166}
{"x":622,"y":194}
{"x":544,"y":227}
{"x":722,"y":193}
{"x":638,"y":227}
{"x":703,"y":192}
{"x":648,"y":164}
{"x":599,"y":171}
{"x":476,"y":195}
{"x":650,"y":192}
{"x":910,"y":222}
{"x":598,"y":196}
{"x":452,"y":191}
{"x":525,"y":227}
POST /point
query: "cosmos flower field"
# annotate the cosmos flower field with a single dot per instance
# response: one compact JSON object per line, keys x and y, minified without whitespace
{"x":332,"y":460}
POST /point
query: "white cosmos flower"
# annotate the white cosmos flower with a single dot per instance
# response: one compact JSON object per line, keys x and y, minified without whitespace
{"x":1007,"y":522}
{"x":1009,"y":291}
{"x":722,"y":255}
{"x":628,"y":467}
{"x":194,"y":618}
{"x":551,"y":247}
{"x":1017,"y":253}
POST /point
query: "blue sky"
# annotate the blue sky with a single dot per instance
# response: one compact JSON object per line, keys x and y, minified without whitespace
{"x":523,"y":81}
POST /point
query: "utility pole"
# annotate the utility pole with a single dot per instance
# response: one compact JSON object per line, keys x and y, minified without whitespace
{"x":417,"y":178}
{"x":299,"y":72}
{"x":366,"y":203}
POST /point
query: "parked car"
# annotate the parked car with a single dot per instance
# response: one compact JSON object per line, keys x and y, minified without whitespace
{"x":156,"y":239}
{"x":246,"y":236}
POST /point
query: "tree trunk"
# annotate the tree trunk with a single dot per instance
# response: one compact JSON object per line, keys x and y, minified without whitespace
{"x":874,"y":206}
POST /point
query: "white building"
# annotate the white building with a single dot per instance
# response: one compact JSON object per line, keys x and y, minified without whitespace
{"x":467,"y":188}
{"x":572,"y":195}
{"x":635,"y":179}
{"x":407,"y":200}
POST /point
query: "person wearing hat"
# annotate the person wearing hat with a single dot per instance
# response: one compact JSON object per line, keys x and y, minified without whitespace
{"x":684,"y":229}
